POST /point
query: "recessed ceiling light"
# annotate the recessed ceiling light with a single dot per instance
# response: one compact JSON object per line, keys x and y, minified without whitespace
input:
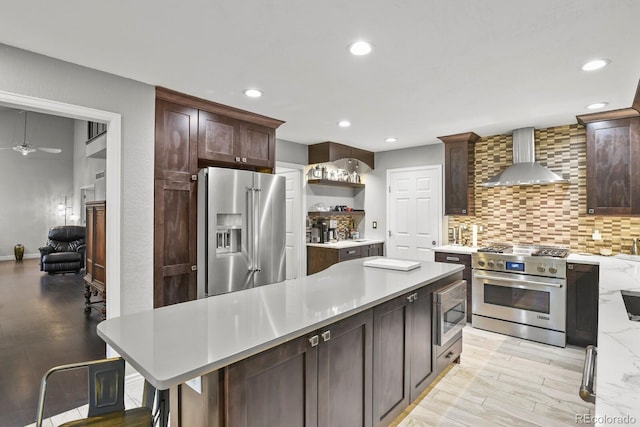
{"x":597,"y":105}
{"x":391,"y":139}
{"x":253,"y":93}
{"x":360,"y":48}
{"x":344,"y":123}
{"x":596,"y":64}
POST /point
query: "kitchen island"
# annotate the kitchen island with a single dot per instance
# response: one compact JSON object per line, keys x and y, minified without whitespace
{"x":617,"y":383}
{"x":174,"y":344}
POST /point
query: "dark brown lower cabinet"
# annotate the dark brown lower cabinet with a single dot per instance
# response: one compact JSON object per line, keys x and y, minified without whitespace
{"x":402,"y":354}
{"x":582,"y":304}
{"x":319,"y":258}
{"x":322,"y":379}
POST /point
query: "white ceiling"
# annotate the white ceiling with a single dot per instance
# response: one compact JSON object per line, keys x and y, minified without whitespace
{"x":439,"y":66}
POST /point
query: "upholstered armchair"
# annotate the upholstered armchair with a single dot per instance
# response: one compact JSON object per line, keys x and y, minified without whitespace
{"x":65,"y":249}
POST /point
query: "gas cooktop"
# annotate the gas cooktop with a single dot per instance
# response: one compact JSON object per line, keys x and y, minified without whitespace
{"x":531,"y":250}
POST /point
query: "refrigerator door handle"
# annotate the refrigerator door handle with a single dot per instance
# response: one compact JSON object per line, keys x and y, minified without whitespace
{"x":250,"y":227}
{"x":257,"y":232}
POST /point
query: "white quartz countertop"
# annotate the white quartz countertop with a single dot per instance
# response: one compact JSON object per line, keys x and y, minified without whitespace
{"x":618,"y":364}
{"x":347,"y":243}
{"x":457,"y":249}
{"x":171,"y":345}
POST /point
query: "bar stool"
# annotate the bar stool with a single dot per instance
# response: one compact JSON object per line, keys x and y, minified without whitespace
{"x":106,"y":396}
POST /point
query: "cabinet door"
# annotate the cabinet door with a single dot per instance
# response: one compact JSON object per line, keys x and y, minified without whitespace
{"x":257,"y":145}
{"x":391,"y":358}
{"x":90,"y":245}
{"x":319,"y":259}
{"x":582,"y":304}
{"x":278,"y":387}
{"x":217,"y":137}
{"x":345,"y":356}
{"x":421,"y":343}
{"x":456,"y":181}
{"x":98,"y":247}
{"x":613,"y":180}
{"x":175,"y":203}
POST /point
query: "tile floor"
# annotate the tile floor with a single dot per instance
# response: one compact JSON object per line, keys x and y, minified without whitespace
{"x":501,"y":381}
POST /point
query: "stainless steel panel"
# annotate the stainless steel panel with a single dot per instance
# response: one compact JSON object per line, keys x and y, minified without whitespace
{"x":555,"y":319}
{"x":271,"y":229}
{"x":445,"y":300}
{"x":229,"y":197}
{"x":533,"y":333}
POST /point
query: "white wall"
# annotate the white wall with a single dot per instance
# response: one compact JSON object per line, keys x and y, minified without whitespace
{"x":32,"y":186}
{"x":36,"y":75}
{"x":375,"y":204}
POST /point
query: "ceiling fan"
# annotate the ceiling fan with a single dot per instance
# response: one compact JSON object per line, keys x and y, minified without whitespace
{"x":26,"y":147}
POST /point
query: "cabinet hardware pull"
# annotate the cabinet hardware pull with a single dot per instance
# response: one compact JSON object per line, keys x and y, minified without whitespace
{"x":588,"y":372}
{"x":244,"y":160}
{"x":194,"y":268}
{"x":326,"y":336}
{"x":237,"y":159}
{"x":448,"y":356}
{"x":351,"y":252}
{"x":570,"y":266}
{"x":410,"y":298}
{"x":453,"y":258}
{"x":314,"y":340}
{"x":194,"y":177}
{"x":415,"y":296}
{"x":590,"y":211}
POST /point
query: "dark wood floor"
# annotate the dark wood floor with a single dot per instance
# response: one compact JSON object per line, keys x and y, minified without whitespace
{"x":42,"y":324}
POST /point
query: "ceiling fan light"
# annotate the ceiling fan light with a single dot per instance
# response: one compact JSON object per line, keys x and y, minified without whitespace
{"x":24,"y":150}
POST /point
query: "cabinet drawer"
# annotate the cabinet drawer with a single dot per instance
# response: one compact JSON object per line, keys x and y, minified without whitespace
{"x":448,"y":356}
{"x":350,"y":253}
{"x":453,"y":258}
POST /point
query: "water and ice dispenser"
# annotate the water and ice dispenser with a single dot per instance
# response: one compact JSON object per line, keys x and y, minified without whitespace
{"x":228,"y":233}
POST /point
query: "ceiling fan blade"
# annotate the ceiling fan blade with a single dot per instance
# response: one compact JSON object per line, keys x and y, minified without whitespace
{"x":6,"y":148}
{"x":50,"y":150}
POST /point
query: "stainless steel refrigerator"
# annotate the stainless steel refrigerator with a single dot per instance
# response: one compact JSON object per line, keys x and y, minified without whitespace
{"x":241,"y":230}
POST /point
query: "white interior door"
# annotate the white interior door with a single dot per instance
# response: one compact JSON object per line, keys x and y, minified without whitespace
{"x":294,"y":215}
{"x":414,"y":212}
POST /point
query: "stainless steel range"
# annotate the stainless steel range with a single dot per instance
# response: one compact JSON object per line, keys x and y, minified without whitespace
{"x":521,"y":291}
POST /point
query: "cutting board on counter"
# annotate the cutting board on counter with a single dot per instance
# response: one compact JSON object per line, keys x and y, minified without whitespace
{"x":392,"y":264}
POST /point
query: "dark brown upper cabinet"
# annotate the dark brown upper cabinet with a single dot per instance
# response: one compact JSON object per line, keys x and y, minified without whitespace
{"x":193,"y":133}
{"x":613,"y":178}
{"x":459,"y":173}
{"x":332,"y":151}
{"x":613,"y":156}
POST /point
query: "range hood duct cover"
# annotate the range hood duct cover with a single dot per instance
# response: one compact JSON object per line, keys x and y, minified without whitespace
{"x":525,"y":170}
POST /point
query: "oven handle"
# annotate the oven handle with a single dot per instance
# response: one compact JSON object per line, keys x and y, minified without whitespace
{"x":528,"y":282}
{"x":588,"y":371}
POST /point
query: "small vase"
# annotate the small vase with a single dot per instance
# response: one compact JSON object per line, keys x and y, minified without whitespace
{"x":18,"y":251}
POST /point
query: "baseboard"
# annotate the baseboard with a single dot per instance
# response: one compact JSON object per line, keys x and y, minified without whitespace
{"x":13,"y":258}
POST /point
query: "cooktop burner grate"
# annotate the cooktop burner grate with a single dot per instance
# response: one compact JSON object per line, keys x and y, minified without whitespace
{"x":551,"y":252}
{"x":495,"y":249}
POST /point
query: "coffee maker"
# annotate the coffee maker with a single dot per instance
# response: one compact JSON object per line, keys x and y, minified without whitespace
{"x":332,"y":230}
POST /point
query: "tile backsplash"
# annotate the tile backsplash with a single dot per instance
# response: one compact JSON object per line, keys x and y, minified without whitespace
{"x":543,"y":214}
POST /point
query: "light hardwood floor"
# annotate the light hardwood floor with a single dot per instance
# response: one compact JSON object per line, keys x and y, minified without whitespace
{"x":504,"y":381}
{"x":500,"y":381}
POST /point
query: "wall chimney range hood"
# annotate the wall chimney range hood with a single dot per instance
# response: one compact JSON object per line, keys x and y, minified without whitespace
{"x":525,"y":170}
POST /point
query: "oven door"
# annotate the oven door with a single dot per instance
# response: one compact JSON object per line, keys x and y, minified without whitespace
{"x":520,"y":298}
{"x":451,"y":311}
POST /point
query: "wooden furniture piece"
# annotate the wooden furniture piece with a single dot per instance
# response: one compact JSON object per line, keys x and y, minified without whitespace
{"x":95,"y":279}
{"x":320,"y":258}
{"x":193,"y":133}
{"x":463,"y":259}
{"x":582,"y":304}
{"x":331,"y":151}
{"x":459,"y":173}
